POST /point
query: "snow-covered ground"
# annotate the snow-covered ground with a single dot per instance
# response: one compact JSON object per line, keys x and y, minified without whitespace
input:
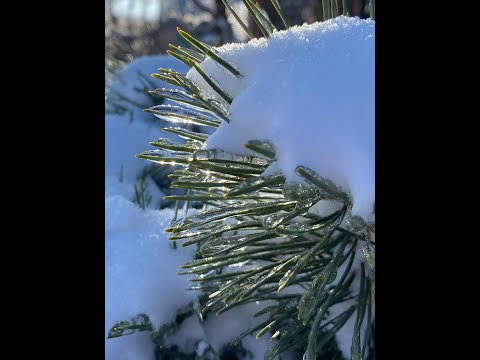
{"x":141,"y":273}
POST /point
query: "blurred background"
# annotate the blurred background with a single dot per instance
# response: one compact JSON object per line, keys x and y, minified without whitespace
{"x":134,"y":28}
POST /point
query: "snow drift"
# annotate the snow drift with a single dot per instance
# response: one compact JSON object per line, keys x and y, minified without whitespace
{"x":309,"y":90}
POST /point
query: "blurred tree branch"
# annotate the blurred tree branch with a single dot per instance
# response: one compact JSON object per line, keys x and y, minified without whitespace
{"x":203,"y":7}
{"x":221,"y":25}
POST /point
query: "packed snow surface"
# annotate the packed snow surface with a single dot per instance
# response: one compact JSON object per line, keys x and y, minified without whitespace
{"x":141,"y":274}
{"x":309,"y":90}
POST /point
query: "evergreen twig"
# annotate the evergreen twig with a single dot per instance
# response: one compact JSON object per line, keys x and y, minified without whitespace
{"x":272,"y":240}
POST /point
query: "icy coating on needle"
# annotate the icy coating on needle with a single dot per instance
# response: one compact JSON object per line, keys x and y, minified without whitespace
{"x":309,"y":90}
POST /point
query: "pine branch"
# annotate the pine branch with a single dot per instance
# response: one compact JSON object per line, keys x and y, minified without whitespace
{"x":258,"y":235}
{"x":141,"y":322}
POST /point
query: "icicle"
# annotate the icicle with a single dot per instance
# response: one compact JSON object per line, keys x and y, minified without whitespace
{"x":168,"y":144}
{"x":224,"y":156}
{"x":264,"y":148}
{"x":256,"y":183}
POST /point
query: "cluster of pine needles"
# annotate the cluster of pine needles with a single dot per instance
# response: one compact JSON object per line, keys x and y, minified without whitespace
{"x":257,"y":238}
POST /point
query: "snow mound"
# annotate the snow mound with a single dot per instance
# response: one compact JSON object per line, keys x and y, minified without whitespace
{"x":309,"y":90}
{"x":141,"y":274}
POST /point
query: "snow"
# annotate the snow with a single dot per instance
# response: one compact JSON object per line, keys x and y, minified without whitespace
{"x":123,"y":140}
{"x":190,"y":336}
{"x":141,"y":268}
{"x":224,"y":328}
{"x":310,"y":91}
{"x":219,"y":331}
{"x":202,"y":346}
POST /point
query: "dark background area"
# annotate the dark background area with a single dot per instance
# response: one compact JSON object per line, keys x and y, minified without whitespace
{"x":145,"y":27}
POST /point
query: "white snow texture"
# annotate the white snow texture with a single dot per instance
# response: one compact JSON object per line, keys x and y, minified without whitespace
{"x":310,"y":90}
{"x":141,"y":274}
